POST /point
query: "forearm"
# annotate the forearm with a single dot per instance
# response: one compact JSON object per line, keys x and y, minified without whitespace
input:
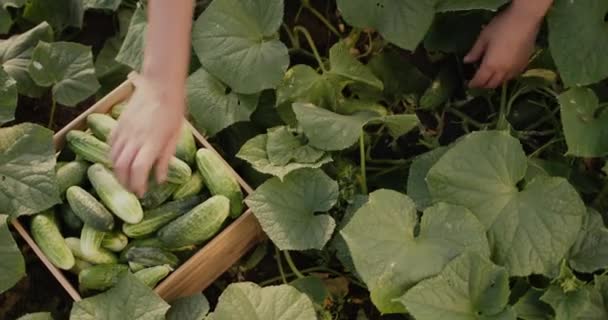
{"x":535,"y":9}
{"x":167,"y":49}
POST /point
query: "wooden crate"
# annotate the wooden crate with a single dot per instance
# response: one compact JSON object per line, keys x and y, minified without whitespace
{"x":198,"y":272}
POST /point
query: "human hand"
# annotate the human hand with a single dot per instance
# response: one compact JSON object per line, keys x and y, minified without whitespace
{"x":147,"y":132}
{"x":504,"y":47}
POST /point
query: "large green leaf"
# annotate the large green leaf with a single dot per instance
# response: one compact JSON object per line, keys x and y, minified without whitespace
{"x":215,"y":107}
{"x":60,"y":14}
{"x":283,"y":147}
{"x":27,"y":170}
{"x":470,"y":287}
{"x":578,"y":39}
{"x":237,"y":42}
{"x":590,"y":252}
{"x":132,"y":50}
{"x":37,"y":316}
{"x":15,"y":54}
{"x":129,"y":299}
{"x":102,"y":4}
{"x":345,"y":65}
{"x":393,"y":252}
{"x":530,"y":307}
{"x":597,"y":308}
{"x":247,"y":300}
{"x":586,"y":131}
{"x":8,"y":97}
{"x":194,"y":307}
{"x":68,"y":67}
{"x":254,"y":151}
{"x":530,"y":231}
{"x":288,"y":210}
{"x":11,"y":260}
{"x":568,"y":296}
{"x":110,"y":72}
{"x":417,"y":188}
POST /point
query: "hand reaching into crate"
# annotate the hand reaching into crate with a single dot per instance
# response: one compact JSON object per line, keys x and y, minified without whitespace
{"x":506,"y":44}
{"x":147,"y":133}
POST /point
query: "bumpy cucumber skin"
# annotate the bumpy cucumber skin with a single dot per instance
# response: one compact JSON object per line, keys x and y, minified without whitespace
{"x":121,"y":202}
{"x":440,"y":91}
{"x":80,"y":265}
{"x":186,"y":146}
{"x":153,"y":275}
{"x":152,"y":257}
{"x":157,"y":218}
{"x":198,"y":225}
{"x":101,"y":277}
{"x":89,"y":148}
{"x":220,"y":180}
{"x":118,"y":109}
{"x":69,"y":218}
{"x":157,"y":194}
{"x":48,"y":237}
{"x":90,"y":240}
{"x":101,"y":125}
{"x":102,"y":256}
{"x":179,"y":172}
{"x":140,"y":243}
{"x":115,"y":241}
{"x":89,"y":210}
{"x":70,"y":174}
{"x":194,"y":186}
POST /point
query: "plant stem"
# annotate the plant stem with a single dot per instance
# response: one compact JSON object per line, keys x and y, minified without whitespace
{"x":466,"y":118}
{"x":277,"y":257}
{"x":322,"y":18}
{"x":294,"y":41}
{"x":503,"y":124}
{"x":52,"y":116}
{"x":543,"y":147}
{"x":292,"y":265}
{"x":362,"y":160}
{"x":312,"y":45}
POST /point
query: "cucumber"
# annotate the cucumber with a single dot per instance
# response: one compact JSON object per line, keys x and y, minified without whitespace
{"x":136,"y":267}
{"x":179,"y":172}
{"x":89,"y":210}
{"x":192,"y":187}
{"x":186,"y":146}
{"x":151,"y":257}
{"x":140,"y":243}
{"x":102,"y":256}
{"x":89,"y":148}
{"x":114,"y":241}
{"x":153,"y":275}
{"x":101,"y":125}
{"x":71,"y":174}
{"x":440,"y":91}
{"x":198,"y":225}
{"x":220,"y":180}
{"x":156,"y":218}
{"x":80,"y":265}
{"x":157,"y":194}
{"x":90,"y":240}
{"x":47,"y":236}
{"x":118,"y":109}
{"x":121,"y":202}
{"x":101,"y":277}
{"x":69,"y":218}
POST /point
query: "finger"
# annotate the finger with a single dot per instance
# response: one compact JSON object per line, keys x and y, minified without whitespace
{"x":122,"y":165}
{"x":477,"y":51}
{"x":162,"y":165}
{"x":117,"y":147}
{"x":495,"y":81}
{"x":482,"y":76}
{"x":140,"y":168}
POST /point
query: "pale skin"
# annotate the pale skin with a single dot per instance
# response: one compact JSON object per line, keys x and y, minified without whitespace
{"x":147,"y":132}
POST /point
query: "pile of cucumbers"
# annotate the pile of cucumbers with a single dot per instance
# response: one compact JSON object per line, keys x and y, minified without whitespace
{"x":102,"y":230}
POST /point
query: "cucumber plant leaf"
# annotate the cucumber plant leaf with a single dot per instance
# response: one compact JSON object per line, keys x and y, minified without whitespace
{"x":470,"y":287}
{"x":27,"y":170}
{"x":102,"y":4}
{"x":37,"y":316}
{"x":110,"y":72}
{"x":237,"y":42}
{"x":68,"y":67}
{"x":247,"y":300}
{"x":531,"y":230}
{"x":530,"y":307}
{"x":214,"y":106}
{"x":417,"y":188}
{"x":578,"y":39}
{"x":292,"y":220}
{"x":128,"y":299}
{"x":254,"y":151}
{"x":195,"y":307}
{"x":11,"y":260}
{"x":345,"y":65}
{"x":60,"y":14}
{"x":8,"y":97}
{"x":391,"y":256}
{"x":567,"y":295}
{"x":132,"y":50}
{"x":283,"y":147}
{"x":585,"y":130}
{"x":590,"y":251}
{"x":15,"y":54}
{"x":398,"y":75}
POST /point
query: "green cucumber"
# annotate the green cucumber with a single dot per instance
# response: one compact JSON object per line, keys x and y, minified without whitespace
{"x":114,"y":241}
{"x":118,"y":109}
{"x":157,"y":194}
{"x":151,"y":257}
{"x":101,"y":125}
{"x":140,"y":243}
{"x":220,"y":180}
{"x":198,"y":225}
{"x":72,"y":173}
{"x":179,"y":172}
{"x":90,"y":240}
{"x":136,"y":267}
{"x":102,"y":256}
{"x":80,"y":265}
{"x":47,"y":236}
{"x":121,"y":202}
{"x":193,"y":187}
{"x":89,"y":148}
{"x":157,"y":218}
{"x":89,"y":210}
{"x":186,"y":146}
{"x":101,"y":277}
{"x":69,"y":218}
{"x":440,"y":91}
{"x":153,"y":275}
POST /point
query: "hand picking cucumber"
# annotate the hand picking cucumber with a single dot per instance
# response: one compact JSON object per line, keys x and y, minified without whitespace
{"x":121,"y":202}
{"x":89,"y":210}
{"x":46,"y":234}
{"x":220,"y":180}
